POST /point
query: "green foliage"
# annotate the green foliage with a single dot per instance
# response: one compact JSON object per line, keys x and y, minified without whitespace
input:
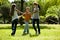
{"x":48,"y":7}
{"x":45,"y":4}
{"x":5,"y":12}
{"x":4,"y":9}
{"x":51,"y":11}
{"x":42,"y":19}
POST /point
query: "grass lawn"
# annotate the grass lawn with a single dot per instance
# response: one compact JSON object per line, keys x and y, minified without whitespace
{"x":48,"y":32}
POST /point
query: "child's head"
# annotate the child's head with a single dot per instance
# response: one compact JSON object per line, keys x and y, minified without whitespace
{"x":13,"y":8}
{"x":27,"y":9}
{"x":35,"y":4}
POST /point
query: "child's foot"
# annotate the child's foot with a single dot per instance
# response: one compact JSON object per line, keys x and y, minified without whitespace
{"x":24,"y":34}
{"x":37,"y":33}
{"x":13,"y":33}
{"x":27,"y":32}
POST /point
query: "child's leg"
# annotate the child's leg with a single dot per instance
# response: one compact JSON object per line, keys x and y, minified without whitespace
{"x":13,"y":28}
{"x":14,"y":24}
{"x":26,"y":27}
{"x":33,"y":22}
{"x":38,"y":25}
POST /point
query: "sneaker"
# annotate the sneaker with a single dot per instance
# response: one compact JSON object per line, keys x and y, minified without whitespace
{"x":12,"y":34}
{"x":24,"y":33}
{"x":38,"y":32}
{"x":27,"y":32}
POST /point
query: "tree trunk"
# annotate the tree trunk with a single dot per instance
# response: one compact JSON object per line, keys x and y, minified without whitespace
{"x":22,"y":2}
{"x":4,"y":20}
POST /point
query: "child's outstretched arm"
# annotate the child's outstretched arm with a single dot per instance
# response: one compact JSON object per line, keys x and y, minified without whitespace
{"x":18,"y":11}
{"x":22,"y":15}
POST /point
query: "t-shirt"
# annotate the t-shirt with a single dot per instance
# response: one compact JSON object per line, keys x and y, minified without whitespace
{"x":36,"y":14}
{"x":27,"y":16}
{"x":15,"y":16}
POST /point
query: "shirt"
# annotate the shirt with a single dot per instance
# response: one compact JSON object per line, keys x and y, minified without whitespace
{"x":15,"y":16}
{"x":27,"y":16}
{"x":36,"y":14}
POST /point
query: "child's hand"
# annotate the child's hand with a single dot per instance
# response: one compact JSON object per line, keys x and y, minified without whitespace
{"x":19,"y":16}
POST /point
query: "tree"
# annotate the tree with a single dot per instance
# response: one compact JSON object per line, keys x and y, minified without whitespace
{"x":22,"y":3}
{"x":5,"y":6}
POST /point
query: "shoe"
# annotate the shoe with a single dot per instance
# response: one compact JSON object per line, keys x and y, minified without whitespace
{"x":24,"y":34}
{"x":38,"y":31}
{"x":12,"y":34}
{"x":27,"y":32}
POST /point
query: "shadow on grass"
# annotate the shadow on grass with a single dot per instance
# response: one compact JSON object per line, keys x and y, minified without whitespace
{"x":31,"y":35}
{"x":46,"y":27}
{"x":7,"y":27}
{"x":34,"y":35}
{"x":22,"y":27}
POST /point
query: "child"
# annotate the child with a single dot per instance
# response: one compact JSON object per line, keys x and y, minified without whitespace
{"x":27,"y":16}
{"x":35,"y":18}
{"x":14,"y":15}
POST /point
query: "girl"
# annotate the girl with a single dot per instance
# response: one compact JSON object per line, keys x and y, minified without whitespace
{"x":35,"y":18}
{"x":14,"y":15}
{"x":27,"y":16}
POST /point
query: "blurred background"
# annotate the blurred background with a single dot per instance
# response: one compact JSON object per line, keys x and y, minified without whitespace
{"x":49,"y":10}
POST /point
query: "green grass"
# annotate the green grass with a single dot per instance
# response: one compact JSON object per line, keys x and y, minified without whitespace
{"x":48,"y":32}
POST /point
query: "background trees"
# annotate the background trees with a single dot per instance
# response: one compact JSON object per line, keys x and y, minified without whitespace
{"x":4,"y":9}
{"x":48,"y":7}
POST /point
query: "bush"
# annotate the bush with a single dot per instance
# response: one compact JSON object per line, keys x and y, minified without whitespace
{"x":5,"y":12}
{"x":42,"y":19}
{"x":51,"y":20}
{"x":52,"y":15}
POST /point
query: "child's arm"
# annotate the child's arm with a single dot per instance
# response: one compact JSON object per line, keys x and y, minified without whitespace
{"x":22,"y":15}
{"x":30,"y":15}
{"x":35,"y":10}
{"x":18,"y":11}
{"x":10,"y":13}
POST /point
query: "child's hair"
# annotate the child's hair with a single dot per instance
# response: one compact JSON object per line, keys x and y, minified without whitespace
{"x":12,"y":10}
{"x":28,"y":8}
{"x":39,"y":7}
{"x":35,"y":3}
